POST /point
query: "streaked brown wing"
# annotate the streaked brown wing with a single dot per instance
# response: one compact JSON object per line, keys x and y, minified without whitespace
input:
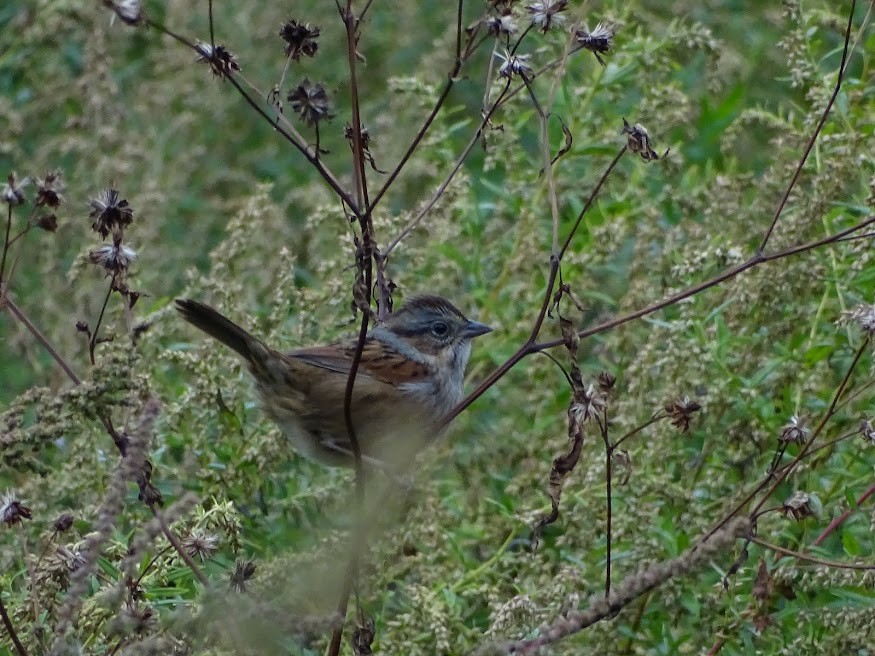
{"x":378,"y":361}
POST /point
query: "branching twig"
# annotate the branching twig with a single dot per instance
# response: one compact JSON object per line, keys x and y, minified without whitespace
{"x":10,"y":629}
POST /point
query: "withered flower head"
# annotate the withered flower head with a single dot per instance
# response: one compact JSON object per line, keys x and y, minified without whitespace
{"x":547,"y":13}
{"x":200,"y":544}
{"x":588,"y":404}
{"x":69,"y":558}
{"x":130,"y":11}
{"x":110,"y":212}
{"x":639,"y":141}
{"x":514,"y":65}
{"x":138,"y":619}
{"x":242,"y":573}
{"x":49,"y":188}
{"x":348,"y":134}
{"x":222,"y":61}
{"x":12,"y":510}
{"x":607,"y":381}
{"x":794,"y":431}
{"x":681,"y":413}
{"x":867,"y":430}
{"x":63,"y":522}
{"x":599,"y":41}
{"x":863,"y":316}
{"x":503,"y":25}
{"x":300,"y":39}
{"x":113,"y":258}
{"x":310,"y":101}
{"x":799,"y":506}
{"x":47,"y":222}
{"x":12,"y":193}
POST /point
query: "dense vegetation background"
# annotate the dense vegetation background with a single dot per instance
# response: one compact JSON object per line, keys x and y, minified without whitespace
{"x":224,"y":210}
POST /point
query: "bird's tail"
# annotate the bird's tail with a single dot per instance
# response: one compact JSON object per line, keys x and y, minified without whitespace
{"x":219,"y":326}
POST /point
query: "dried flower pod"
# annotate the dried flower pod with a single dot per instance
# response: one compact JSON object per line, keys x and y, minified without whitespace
{"x":200,"y":544}
{"x":599,"y":41}
{"x":12,"y":510}
{"x":867,"y":431}
{"x":300,"y":39}
{"x":110,"y":213}
{"x":63,"y":522}
{"x":514,"y":65}
{"x":681,"y":413}
{"x":800,"y":505}
{"x":113,"y":258}
{"x":638,"y":141}
{"x":222,"y":61}
{"x":242,"y":573}
{"x":129,"y":11}
{"x":793,"y":432}
{"x":546,"y":14}
{"x":48,"y":189}
{"x":863,"y":316}
{"x":12,"y":192}
{"x":503,"y":25}
{"x":310,"y":101}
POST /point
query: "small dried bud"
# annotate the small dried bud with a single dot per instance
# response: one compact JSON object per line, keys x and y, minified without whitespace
{"x":863,"y":316}
{"x":110,"y":213}
{"x":49,"y":188}
{"x":599,"y":41}
{"x":63,"y":522}
{"x":113,"y":258}
{"x":503,"y":25}
{"x":800,"y":505}
{"x":762,"y":585}
{"x":639,"y":141}
{"x":12,"y":193}
{"x":310,"y":101}
{"x":12,"y":510}
{"x":130,"y":11}
{"x":515,"y":65}
{"x":547,"y":13}
{"x":138,"y":619}
{"x":82,"y":327}
{"x":300,"y":39}
{"x":242,"y":573}
{"x":606,"y":381}
{"x":200,"y":544}
{"x":681,"y":413}
{"x":222,"y":61}
{"x":47,"y":222}
{"x":867,"y":430}
{"x":793,"y":432}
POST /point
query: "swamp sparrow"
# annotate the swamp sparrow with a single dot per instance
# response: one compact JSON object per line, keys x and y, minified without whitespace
{"x":410,"y":376}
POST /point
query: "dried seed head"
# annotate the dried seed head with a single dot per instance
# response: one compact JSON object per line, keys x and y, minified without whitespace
{"x":242,"y":573}
{"x":130,"y":11}
{"x":222,"y":61}
{"x":310,"y":101}
{"x":867,"y":430}
{"x":514,"y":65}
{"x":794,"y":431}
{"x":110,"y":213}
{"x":800,"y":505}
{"x":588,"y":404}
{"x":12,"y":510}
{"x":63,"y":522}
{"x":606,"y":381}
{"x":138,"y":619}
{"x":762,"y":585}
{"x":547,"y":13}
{"x":49,"y":188}
{"x":639,"y":141}
{"x":200,"y":544}
{"x":503,"y":25}
{"x":681,"y":413}
{"x":599,"y":41}
{"x":300,"y":39}
{"x":863,"y":316}
{"x":12,"y":193}
{"x":47,"y":222}
{"x":113,"y":258}
{"x":69,"y":558}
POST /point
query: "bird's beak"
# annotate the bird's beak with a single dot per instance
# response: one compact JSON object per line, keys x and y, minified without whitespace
{"x":475,"y":329}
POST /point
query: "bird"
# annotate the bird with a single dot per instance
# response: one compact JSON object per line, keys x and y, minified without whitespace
{"x":410,"y":376}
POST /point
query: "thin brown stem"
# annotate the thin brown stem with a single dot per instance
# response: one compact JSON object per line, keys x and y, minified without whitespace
{"x":10,"y":629}
{"x":609,"y":471}
{"x":656,"y":417}
{"x":838,"y":521}
{"x":841,"y":76}
{"x":809,"y":559}
{"x":176,"y":544}
{"x":5,"y":245}
{"x":92,"y":343}
{"x":8,"y":302}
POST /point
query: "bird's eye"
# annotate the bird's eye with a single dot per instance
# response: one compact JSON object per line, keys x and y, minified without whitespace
{"x":440,"y":329}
